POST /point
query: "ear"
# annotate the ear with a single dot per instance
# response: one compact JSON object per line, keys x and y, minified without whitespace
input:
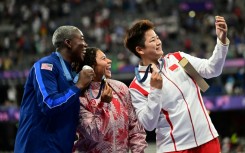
{"x":68,"y":43}
{"x":139,"y":50}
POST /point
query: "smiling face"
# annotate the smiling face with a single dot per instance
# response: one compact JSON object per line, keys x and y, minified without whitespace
{"x":152,"y":50}
{"x":78,"y":46}
{"x":102,"y":66}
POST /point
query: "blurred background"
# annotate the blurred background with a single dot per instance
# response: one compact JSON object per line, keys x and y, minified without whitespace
{"x":26,"y":28}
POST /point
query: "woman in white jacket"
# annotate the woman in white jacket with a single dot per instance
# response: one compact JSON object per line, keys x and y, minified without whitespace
{"x":168,"y":99}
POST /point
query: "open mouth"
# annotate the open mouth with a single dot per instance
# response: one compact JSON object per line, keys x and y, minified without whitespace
{"x":108,"y":71}
{"x":158,"y":48}
{"x":83,"y":53}
{"x":108,"y":68}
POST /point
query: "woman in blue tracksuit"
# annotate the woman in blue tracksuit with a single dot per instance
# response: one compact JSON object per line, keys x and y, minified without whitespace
{"x":50,"y":104}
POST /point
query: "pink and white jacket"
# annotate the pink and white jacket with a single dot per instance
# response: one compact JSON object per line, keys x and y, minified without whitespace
{"x":109,"y":127}
{"x":177,"y":110}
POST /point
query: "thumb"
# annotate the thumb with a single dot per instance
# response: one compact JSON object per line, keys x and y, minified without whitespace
{"x":154,"y":67}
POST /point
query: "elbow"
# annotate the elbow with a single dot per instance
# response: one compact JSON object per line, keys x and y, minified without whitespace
{"x":214,"y":70}
{"x":216,"y":73}
{"x":48,"y":108}
{"x":213,"y":73}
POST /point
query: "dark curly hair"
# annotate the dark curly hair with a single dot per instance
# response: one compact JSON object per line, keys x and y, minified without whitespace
{"x":89,"y":58}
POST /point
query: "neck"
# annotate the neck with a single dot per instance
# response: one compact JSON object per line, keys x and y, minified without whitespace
{"x":98,"y":78}
{"x":146,"y":62}
{"x":65,"y":55}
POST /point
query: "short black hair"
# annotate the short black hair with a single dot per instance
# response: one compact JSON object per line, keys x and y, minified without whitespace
{"x":135,"y":36}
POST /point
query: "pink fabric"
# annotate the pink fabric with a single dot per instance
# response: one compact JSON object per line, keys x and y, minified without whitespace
{"x":109,"y":127}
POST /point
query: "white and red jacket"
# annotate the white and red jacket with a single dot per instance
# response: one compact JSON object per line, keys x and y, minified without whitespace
{"x":177,"y":110}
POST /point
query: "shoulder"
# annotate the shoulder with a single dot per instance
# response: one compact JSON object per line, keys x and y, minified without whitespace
{"x":133,"y":82}
{"x":176,"y":55}
{"x":117,"y":85}
{"x":48,"y":62}
{"x":52,"y":58}
{"x":116,"y":82}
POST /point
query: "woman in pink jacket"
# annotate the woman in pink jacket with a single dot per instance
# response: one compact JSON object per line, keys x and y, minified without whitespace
{"x":108,"y":122}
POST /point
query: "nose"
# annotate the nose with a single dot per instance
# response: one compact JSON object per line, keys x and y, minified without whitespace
{"x":85,"y":44}
{"x":159,"y":42}
{"x":109,"y":61}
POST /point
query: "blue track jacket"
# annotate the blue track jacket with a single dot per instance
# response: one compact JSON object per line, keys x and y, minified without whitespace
{"x":49,"y":110}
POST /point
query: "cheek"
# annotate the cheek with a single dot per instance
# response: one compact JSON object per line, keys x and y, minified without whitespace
{"x":99,"y":69}
{"x":150,"y":47}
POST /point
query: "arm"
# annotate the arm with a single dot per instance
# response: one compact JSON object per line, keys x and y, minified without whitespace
{"x":213,"y":66}
{"x":147,"y":108}
{"x":51,"y":100}
{"x":137,"y":134}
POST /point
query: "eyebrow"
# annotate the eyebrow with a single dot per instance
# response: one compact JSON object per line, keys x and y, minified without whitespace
{"x":102,"y":56}
{"x":153,"y":37}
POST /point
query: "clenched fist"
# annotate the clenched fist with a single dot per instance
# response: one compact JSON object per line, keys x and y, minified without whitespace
{"x":106,"y":95}
{"x":156,"y":78}
{"x":85,"y":77}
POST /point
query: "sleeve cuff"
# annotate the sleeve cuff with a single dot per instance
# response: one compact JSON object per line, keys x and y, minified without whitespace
{"x":157,"y":91}
{"x":75,"y":89}
{"x":227,"y":42}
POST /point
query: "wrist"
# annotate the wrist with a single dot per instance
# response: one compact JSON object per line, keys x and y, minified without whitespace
{"x":79,"y":86}
{"x":224,"y":42}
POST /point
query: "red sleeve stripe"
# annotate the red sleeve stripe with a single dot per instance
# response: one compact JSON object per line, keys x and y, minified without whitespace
{"x":134,"y":85}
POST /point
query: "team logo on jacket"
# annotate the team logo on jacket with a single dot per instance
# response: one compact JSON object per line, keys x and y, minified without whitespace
{"x":47,"y":66}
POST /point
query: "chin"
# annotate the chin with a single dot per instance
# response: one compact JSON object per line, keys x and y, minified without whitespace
{"x":108,"y":76}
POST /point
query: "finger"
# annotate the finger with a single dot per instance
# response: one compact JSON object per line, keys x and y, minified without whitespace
{"x":106,"y":86}
{"x":106,"y":89}
{"x":220,"y":22}
{"x":90,"y":73}
{"x":155,"y":74}
{"x":219,"y":17}
{"x":154,"y":67}
{"x":222,"y":29}
{"x":159,"y":78}
{"x":86,"y":67}
{"x":224,"y":26}
{"x":110,"y":91}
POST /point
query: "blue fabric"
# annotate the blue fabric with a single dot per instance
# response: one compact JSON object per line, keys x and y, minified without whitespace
{"x":49,"y":110}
